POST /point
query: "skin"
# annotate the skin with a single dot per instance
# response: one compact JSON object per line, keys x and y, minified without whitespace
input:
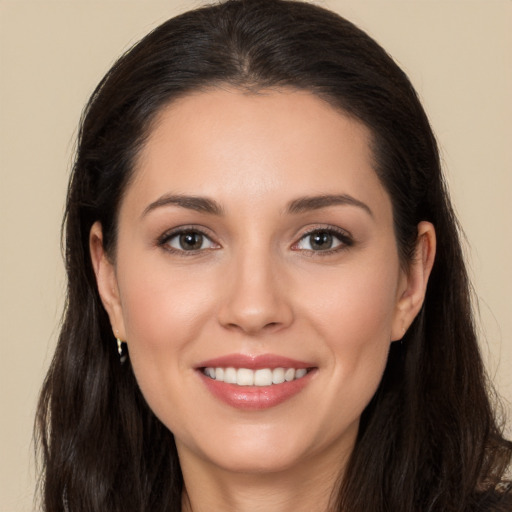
{"x":258,"y":286}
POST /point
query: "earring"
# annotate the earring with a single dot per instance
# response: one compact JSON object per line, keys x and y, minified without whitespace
{"x":121,"y":350}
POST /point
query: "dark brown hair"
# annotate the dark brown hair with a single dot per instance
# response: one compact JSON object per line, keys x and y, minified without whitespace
{"x":429,"y":440}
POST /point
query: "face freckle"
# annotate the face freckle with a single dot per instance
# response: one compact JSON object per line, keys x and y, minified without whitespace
{"x":297,"y":265}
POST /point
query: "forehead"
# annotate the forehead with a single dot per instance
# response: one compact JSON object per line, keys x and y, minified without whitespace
{"x":274,"y":144}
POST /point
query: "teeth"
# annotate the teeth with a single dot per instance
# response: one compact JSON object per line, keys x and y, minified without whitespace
{"x":261,"y":377}
{"x":230,"y":376}
{"x":278,"y":376}
{"x":245,"y":377}
{"x":289,"y":374}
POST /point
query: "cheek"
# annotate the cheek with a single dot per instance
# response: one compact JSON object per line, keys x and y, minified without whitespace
{"x":354,"y":315}
{"x":163,"y":310}
{"x":355,"y":308}
{"x":159,"y":299}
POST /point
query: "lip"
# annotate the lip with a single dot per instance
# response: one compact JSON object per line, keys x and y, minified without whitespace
{"x":254,"y":362}
{"x":255,"y":397}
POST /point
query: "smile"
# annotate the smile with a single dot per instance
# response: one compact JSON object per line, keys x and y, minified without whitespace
{"x":255,"y":382}
{"x":248,"y":377}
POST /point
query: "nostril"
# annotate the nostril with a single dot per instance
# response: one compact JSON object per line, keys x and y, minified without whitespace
{"x":253,"y":310}
{"x":254,"y":327}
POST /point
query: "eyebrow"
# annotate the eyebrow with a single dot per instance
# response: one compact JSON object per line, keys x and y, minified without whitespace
{"x":299,"y":205}
{"x":308,"y":203}
{"x":199,"y":204}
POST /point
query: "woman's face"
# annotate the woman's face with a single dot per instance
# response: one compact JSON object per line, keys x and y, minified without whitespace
{"x":256,"y":243}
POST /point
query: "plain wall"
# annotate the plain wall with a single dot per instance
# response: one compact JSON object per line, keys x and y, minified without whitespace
{"x":52,"y":53}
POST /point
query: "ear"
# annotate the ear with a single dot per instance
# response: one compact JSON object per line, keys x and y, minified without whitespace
{"x":106,"y":281}
{"x":413,"y":286}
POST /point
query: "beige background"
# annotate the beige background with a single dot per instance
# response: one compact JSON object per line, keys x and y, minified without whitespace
{"x":458,"y":53}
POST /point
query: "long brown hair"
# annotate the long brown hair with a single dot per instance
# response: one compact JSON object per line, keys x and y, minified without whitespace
{"x":429,"y":440}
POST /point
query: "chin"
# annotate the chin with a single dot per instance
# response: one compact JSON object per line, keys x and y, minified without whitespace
{"x":257,"y":461}
{"x":258,"y":450}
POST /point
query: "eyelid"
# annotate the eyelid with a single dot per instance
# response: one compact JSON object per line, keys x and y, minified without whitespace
{"x":343,"y":236}
{"x":163,"y":240}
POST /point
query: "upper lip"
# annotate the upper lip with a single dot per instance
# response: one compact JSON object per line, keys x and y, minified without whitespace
{"x":254,"y":362}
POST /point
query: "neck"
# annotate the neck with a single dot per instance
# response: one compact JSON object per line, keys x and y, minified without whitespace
{"x":306,"y":488}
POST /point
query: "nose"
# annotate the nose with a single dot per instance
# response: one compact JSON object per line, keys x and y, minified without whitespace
{"x":257,"y":299}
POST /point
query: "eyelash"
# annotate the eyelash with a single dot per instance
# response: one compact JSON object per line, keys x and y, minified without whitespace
{"x":163,"y":241}
{"x":346,"y":240}
{"x":342,"y":236}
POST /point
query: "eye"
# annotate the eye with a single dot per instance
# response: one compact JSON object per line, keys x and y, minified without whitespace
{"x":187,"y":241}
{"x":323,"y":240}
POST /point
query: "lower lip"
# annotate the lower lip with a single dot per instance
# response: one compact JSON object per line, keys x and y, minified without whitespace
{"x":255,"y":397}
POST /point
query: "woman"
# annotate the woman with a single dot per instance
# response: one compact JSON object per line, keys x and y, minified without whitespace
{"x":267,"y":303}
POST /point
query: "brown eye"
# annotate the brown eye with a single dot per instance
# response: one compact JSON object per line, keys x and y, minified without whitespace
{"x":323,"y":240}
{"x":191,"y":241}
{"x":188,"y":241}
